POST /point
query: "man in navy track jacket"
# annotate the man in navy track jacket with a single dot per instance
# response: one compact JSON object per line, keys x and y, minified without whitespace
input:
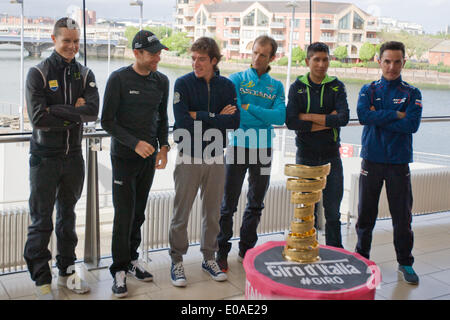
{"x":390,"y":110}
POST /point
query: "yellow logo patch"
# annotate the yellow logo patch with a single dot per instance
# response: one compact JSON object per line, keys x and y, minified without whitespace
{"x":53,"y":85}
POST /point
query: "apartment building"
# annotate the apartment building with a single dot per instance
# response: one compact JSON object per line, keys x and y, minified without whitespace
{"x":235,"y":24}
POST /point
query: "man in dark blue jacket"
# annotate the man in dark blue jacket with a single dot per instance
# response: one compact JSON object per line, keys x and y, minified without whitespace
{"x":390,"y":110}
{"x":317,"y":109}
{"x":204,"y":107}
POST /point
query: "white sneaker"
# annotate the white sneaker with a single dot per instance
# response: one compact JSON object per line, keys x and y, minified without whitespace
{"x":44,"y":292}
{"x":73,"y":282}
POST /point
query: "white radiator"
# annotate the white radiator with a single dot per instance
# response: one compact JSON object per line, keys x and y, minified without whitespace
{"x":430,"y":187}
{"x":14,"y":224}
{"x":276,"y":216}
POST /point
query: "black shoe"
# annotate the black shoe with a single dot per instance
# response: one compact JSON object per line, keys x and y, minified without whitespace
{"x":119,"y":287}
{"x":138,"y":270}
{"x":223,"y":264}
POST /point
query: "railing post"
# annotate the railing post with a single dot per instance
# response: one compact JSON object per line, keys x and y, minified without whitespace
{"x":92,"y":232}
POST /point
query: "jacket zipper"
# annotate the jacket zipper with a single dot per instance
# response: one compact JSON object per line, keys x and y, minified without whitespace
{"x":209,"y":95}
{"x":65,"y":102}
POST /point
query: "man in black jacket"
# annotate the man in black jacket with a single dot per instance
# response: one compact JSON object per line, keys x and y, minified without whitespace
{"x":317,"y":108}
{"x":61,"y":94}
{"x":135,"y":115}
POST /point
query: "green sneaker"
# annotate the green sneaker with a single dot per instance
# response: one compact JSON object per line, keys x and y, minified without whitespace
{"x":44,"y":292}
{"x":409,"y":275}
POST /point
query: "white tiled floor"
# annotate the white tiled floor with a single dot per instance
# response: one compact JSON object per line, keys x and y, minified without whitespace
{"x":431,"y":251}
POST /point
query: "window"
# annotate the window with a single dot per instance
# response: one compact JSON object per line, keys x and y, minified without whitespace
{"x":249,"y":19}
{"x":344,"y":22}
{"x":295,"y":35}
{"x":358,"y":22}
{"x":263,"y":20}
{"x":357,"y":37}
{"x":307,"y":23}
{"x":344,"y":37}
{"x":326,"y":21}
{"x":306,"y":36}
{"x":247,"y":34}
{"x":225,"y":21}
{"x":296,"y":23}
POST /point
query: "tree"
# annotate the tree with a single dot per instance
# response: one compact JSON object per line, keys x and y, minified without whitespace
{"x":159,"y":32}
{"x":130,"y":32}
{"x":341,"y":52}
{"x":367,"y":52}
{"x":298,"y":55}
{"x":178,"y":42}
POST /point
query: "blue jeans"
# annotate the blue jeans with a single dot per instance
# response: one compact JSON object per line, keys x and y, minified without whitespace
{"x":258,"y":183}
{"x":332,"y":197}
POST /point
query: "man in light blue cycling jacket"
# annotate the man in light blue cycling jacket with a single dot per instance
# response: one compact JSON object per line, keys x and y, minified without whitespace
{"x":261,"y":102}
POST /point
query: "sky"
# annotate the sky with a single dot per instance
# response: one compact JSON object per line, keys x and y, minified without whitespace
{"x":432,"y":14}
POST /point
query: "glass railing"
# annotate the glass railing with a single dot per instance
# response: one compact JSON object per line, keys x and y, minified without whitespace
{"x":14,"y":191}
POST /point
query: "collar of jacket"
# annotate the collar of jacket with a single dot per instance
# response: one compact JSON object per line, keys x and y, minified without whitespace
{"x":216,"y":75}
{"x":304,"y":79}
{"x":264,"y":74}
{"x":390,"y":83}
{"x":255,"y":74}
{"x":59,"y":62}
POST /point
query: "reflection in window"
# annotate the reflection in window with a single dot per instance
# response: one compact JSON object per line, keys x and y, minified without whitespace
{"x":344,"y":22}
{"x":249,"y":20}
{"x":358,"y":22}
{"x":357,"y":37}
{"x":263,"y":20}
{"x":343,"y":37}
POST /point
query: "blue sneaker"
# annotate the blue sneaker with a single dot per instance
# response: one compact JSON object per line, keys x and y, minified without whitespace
{"x":408,"y":274}
{"x":213,"y":269}
{"x":177,"y":275}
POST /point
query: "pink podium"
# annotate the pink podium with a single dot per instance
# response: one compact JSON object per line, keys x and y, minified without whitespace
{"x":338,"y":275}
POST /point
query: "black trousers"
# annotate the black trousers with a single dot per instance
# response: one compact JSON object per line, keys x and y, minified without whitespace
{"x":399,"y":194}
{"x":132,"y":180}
{"x":258,"y":184}
{"x":56,"y":179}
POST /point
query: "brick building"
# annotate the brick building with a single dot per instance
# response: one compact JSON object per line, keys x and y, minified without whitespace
{"x":236,"y":24}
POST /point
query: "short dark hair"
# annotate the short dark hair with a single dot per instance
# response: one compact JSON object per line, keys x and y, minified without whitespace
{"x":392,"y":45}
{"x":208,"y":46}
{"x":65,"y":23}
{"x":317,"y":47}
{"x":265,"y":40}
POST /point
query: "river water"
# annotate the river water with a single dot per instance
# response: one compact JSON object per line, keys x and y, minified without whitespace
{"x":431,"y":137}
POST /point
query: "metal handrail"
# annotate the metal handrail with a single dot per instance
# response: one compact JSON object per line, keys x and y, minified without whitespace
{"x":101,"y":133}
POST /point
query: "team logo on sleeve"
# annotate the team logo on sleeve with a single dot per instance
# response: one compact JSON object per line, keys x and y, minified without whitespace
{"x":419,"y":103}
{"x":176,"y":97}
{"x":53,"y":85}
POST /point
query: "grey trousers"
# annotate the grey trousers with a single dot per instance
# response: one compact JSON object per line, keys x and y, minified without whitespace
{"x":188,"y":179}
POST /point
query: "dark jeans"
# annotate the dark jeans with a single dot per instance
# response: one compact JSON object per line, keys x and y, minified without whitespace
{"x":399,"y":194}
{"x":258,"y":183}
{"x":132,"y":179}
{"x":331,"y":198}
{"x":53,"y":180}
